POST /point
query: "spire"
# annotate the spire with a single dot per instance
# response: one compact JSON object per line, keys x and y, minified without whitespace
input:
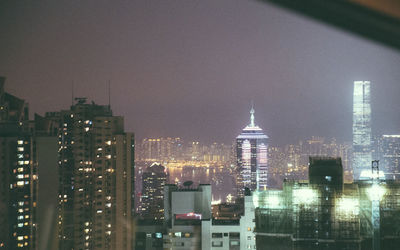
{"x":252,"y":115}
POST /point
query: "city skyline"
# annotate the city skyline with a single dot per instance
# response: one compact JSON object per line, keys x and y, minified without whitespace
{"x":192,"y":71}
{"x":125,"y":125}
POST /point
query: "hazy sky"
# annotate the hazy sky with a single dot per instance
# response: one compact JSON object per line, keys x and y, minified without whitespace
{"x":191,"y":68}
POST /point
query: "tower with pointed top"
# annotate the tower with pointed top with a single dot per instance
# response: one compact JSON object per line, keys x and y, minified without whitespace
{"x":251,"y":158}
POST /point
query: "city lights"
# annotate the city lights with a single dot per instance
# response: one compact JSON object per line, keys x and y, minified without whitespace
{"x":198,"y":171}
{"x":376,"y":192}
{"x":267,"y":199}
{"x":305,"y":195}
{"x":348,"y":206}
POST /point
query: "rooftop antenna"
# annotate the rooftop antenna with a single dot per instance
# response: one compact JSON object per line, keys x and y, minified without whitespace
{"x":109,"y":94}
{"x":72,"y":92}
{"x":252,"y":114}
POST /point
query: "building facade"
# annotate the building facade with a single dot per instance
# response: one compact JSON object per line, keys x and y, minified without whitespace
{"x":190,"y":223}
{"x":96,"y":172}
{"x":251,"y":158}
{"x":362,"y":154}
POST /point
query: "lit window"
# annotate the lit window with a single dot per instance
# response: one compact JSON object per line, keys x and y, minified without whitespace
{"x":20,"y":142}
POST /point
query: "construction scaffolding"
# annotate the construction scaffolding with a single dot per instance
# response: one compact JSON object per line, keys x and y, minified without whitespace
{"x":314,"y":216}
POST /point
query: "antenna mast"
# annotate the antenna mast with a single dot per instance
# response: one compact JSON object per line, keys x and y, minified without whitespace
{"x":109,"y":94}
{"x":72,"y":92}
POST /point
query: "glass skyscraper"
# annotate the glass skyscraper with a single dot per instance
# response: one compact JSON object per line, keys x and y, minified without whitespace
{"x":362,"y":155}
{"x":251,"y":151}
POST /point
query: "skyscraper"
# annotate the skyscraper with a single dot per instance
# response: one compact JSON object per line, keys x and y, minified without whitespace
{"x":251,"y":152}
{"x":154,"y":180}
{"x":18,"y":175}
{"x":362,"y":155}
{"x":390,"y":156}
{"x":96,"y":172}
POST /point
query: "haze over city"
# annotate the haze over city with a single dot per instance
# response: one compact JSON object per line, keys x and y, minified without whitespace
{"x":190,"y":69}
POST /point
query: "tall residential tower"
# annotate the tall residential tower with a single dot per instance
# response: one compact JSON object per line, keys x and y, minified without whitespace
{"x":96,"y":172}
{"x":251,"y":152}
{"x":18,"y":175}
{"x":362,"y":155}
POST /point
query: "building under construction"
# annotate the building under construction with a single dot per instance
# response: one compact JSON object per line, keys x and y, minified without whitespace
{"x":325,"y":213}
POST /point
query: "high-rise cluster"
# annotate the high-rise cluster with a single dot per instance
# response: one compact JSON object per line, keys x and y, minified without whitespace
{"x":95,"y":204}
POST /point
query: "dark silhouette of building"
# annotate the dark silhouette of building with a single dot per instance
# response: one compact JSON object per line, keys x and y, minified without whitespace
{"x":18,"y":175}
{"x":326,"y":171}
{"x":96,"y":173}
{"x":153,"y":180}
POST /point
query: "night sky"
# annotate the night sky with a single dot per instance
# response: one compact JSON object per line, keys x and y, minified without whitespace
{"x":191,"y":68}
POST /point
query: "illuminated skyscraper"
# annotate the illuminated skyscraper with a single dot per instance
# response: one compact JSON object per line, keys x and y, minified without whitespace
{"x":96,"y":172}
{"x":251,"y":151}
{"x":362,"y":155}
